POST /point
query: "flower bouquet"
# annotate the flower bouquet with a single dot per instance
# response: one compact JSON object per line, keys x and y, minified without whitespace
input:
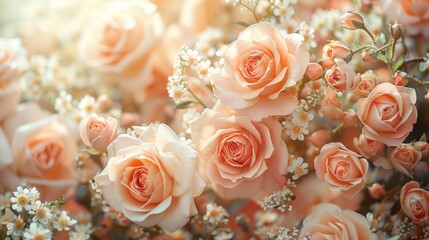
{"x":214,"y":119}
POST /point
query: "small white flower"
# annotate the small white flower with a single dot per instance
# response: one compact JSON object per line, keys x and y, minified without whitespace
{"x":301,"y":117}
{"x":78,"y":236}
{"x":294,"y":131}
{"x":37,"y":232}
{"x":23,"y":197}
{"x":86,"y":105}
{"x":63,"y":103}
{"x":5,"y":200}
{"x":216,"y":214}
{"x":298,"y":168}
{"x":15,"y":227}
{"x":41,"y":213}
{"x":7,"y":216}
{"x":63,"y":222}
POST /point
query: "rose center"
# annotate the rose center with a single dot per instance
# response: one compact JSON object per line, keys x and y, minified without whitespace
{"x":44,"y":153}
{"x":342,"y":169}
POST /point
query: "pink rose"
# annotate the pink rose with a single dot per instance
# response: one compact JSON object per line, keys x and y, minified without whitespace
{"x":328,"y":221}
{"x":341,"y":168}
{"x":404,"y":158}
{"x":422,"y":147}
{"x":333,"y":50}
{"x":314,"y":71}
{"x":415,"y":202}
{"x":152,"y":178}
{"x":10,"y":92}
{"x":341,"y":76}
{"x":41,"y":152}
{"x":367,"y":147}
{"x":377,"y":191}
{"x":98,"y":132}
{"x":240,"y":158}
{"x":368,"y":81}
{"x":117,"y":43}
{"x":331,"y":106}
{"x":352,"y":20}
{"x":388,"y":113}
{"x":259,"y":68}
{"x":414,"y":15}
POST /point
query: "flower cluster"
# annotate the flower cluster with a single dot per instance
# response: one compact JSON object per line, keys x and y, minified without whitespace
{"x":214,"y":119}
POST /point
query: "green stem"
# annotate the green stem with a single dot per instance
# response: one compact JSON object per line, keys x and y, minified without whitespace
{"x":370,"y":34}
{"x":196,"y":98}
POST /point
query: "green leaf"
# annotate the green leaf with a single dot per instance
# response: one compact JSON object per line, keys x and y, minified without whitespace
{"x":398,"y":63}
{"x":241,"y":23}
{"x":184,"y":105}
{"x":382,"y":57}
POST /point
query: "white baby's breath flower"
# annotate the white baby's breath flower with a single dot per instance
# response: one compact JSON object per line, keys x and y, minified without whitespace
{"x":216,"y":215}
{"x":63,"y":103}
{"x":41,"y":213}
{"x":7,"y":216}
{"x":23,"y":198}
{"x":86,"y":105}
{"x":298,"y":168}
{"x":301,"y":117}
{"x":37,"y":232}
{"x":78,"y":236}
{"x":5,"y":200}
{"x":294,"y":131}
{"x":15,"y":227}
{"x":63,"y":222}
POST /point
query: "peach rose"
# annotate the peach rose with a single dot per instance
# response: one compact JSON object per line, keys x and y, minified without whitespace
{"x":376,"y":190}
{"x":42,"y":151}
{"x":117,"y":42}
{"x":414,"y":15}
{"x":9,"y":87}
{"x":367,"y":147}
{"x":404,"y":158}
{"x":328,"y":221}
{"x":331,"y":106}
{"x":341,"y":76}
{"x":388,"y":113}
{"x":415,"y":202}
{"x":341,"y":168}
{"x":152,"y":178}
{"x":98,"y":132}
{"x":368,"y":81}
{"x":333,"y":50}
{"x":314,"y":71}
{"x":240,"y":158}
{"x":422,"y":147}
{"x":259,"y":68}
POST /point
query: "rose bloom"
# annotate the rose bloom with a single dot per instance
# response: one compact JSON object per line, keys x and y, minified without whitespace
{"x":341,"y":168}
{"x":240,"y":158}
{"x":9,"y":87}
{"x":368,"y":81}
{"x":415,"y":202}
{"x":341,"y":76}
{"x":331,"y":106}
{"x":152,"y":179}
{"x":404,"y":158}
{"x":388,"y":113}
{"x":259,"y":68}
{"x":97,"y":132}
{"x":117,"y":42}
{"x":367,"y":147}
{"x":328,"y":221}
{"x":333,"y":50}
{"x":39,"y":149}
{"x":414,"y":15}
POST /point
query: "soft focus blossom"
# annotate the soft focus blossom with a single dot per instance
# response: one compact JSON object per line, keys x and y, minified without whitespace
{"x":414,"y":15}
{"x":333,"y":50}
{"x":377,"y":191}
{"x":329,"y":221}
{"x":152,"y":178}
{"x":352,"y":20}
{"x":259,"y":67}
{"x":341,"y":168}
{"x":367,"y":147}
{"x":404,"y":158}
{"x":341,"y":76}
{"x":388,"y":113}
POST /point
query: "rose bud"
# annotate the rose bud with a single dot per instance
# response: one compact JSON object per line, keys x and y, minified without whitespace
{"x":404,"y":158}
{"x":314,"y":71}
{"x":423,"y":148}
{"x":350,"y":118}
{"x":400,"y":78}
{"x":104,"y":103}
{"x":397,"y":30}
{"x":98,"y":132}
{"x":341,"y":76}
{"x":352,"y":21}
{"x":333,"y":50}
{"x":367,"y":56}
{"x":376,"y":191}
{"x":319,"y":138}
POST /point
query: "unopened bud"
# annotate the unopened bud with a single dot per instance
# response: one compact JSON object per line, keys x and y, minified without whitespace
{"x":352,"y":21}
{"x":367,"y":56}
{"x":397,"y":30}
{"x":377,"y":191}
{"x":400,"y":78}
{"x":314,"y":71}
